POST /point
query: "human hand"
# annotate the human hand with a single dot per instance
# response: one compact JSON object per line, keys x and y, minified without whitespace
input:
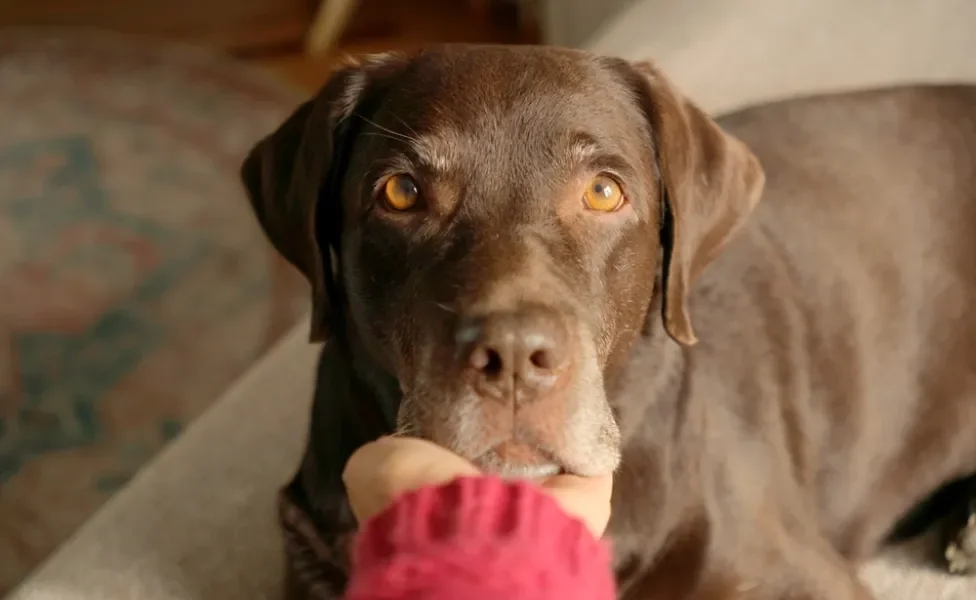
{"x":380,"y":471}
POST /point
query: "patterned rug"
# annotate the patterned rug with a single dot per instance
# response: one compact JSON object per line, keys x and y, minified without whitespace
{"x":134,"y":283}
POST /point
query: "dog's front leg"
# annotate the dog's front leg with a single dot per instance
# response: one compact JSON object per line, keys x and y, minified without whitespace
{"x":316,"y":545}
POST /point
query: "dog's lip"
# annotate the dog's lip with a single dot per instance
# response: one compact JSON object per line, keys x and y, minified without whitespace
{"x":541,"y":463}
{"x":530,"y":472}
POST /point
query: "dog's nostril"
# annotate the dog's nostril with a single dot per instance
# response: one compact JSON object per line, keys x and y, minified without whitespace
{"x":494,"y":366}
{"x":487,"y":361}
{"x":543,"y":359}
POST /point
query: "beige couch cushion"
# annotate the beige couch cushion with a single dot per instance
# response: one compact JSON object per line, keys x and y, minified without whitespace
{"x":199,"y":522}
{"x":726,"y":54}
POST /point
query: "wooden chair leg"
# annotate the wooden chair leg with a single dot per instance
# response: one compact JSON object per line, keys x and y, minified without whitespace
{"x":329,"y":23}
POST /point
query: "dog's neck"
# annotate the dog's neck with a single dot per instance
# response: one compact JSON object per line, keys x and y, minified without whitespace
{"x":355,"y":402}
{"x":662,"y":461}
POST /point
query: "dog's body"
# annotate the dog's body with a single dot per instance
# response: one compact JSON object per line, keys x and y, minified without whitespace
{"x":832,"y":387}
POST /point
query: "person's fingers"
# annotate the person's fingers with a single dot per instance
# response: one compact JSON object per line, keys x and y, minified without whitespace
{"x":586,"y":498}
{"x":382,"y":470}
{"x":378,"y":472}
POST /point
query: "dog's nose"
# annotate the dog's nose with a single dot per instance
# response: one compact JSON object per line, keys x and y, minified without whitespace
{"x":518,"y":355}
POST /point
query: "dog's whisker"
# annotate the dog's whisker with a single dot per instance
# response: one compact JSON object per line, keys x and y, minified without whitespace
{"x":381,"y":135}
{"x":396,"y":135}
{"x":407,"y":125}
{"x":445,"y":308}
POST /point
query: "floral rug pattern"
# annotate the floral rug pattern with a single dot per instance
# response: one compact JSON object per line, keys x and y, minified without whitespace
{"x":134,"y":283}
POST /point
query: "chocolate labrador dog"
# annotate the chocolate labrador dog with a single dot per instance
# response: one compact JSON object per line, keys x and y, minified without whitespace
{"x":550,"y":261}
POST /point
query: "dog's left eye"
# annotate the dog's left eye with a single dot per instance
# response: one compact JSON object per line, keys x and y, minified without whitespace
{"x":603,"y":194}
{"x":401,"y":192}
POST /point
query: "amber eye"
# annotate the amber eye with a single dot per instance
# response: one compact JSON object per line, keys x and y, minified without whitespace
{"x":603,"y":193}
{"x":401,"y":192}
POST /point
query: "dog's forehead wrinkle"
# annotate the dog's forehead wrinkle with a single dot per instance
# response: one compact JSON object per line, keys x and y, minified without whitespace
{"x":503,"y":76}
{"x":502,"y":138}
{"x":509,"y":173}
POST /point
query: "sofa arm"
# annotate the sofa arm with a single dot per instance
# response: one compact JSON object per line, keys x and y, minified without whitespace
{"x":199,"y":522}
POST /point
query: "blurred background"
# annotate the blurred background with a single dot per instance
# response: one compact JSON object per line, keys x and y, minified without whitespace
{"x":135,"y":286}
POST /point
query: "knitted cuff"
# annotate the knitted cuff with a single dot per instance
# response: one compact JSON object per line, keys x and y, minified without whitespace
{"x":478,"y":538}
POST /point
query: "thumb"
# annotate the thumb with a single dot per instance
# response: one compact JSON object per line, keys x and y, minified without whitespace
{"x":380,"y":471}
{"x":586,"y":498}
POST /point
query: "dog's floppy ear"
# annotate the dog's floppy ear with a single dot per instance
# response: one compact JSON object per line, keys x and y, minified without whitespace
{"x":293,"y":178}
{"x":710,"y":182}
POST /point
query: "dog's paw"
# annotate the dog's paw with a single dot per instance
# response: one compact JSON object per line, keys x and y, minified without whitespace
{"x":960,"y":553}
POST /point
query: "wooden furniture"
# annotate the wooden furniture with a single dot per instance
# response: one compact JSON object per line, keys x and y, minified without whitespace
{"x":275,"y":26}
{"x":335,"y":18}
{"x":330,"y":21}
{"x":234,"y":25}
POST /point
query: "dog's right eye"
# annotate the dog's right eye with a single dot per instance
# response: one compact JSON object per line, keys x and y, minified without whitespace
{"x":603,"y":194}
{"x":401,"y":192}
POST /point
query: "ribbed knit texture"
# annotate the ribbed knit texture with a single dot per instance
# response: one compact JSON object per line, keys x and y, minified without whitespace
{"x":478,"y":538}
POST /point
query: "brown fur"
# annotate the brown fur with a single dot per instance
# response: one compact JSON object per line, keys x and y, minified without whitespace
{"x":775,"y":382}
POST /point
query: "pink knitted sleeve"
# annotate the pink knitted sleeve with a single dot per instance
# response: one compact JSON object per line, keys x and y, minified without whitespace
{"x":478,"y":538}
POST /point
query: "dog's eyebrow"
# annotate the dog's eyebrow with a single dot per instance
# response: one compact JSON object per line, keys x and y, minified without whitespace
{"x":419,"y":155}
{"x":583,"y":147}
{"x":415,"y":149}
{"x":431,"y":153}
{"x":586,"y":151}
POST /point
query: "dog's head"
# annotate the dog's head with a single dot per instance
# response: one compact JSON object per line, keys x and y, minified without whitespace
{"x":489,"y":223}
